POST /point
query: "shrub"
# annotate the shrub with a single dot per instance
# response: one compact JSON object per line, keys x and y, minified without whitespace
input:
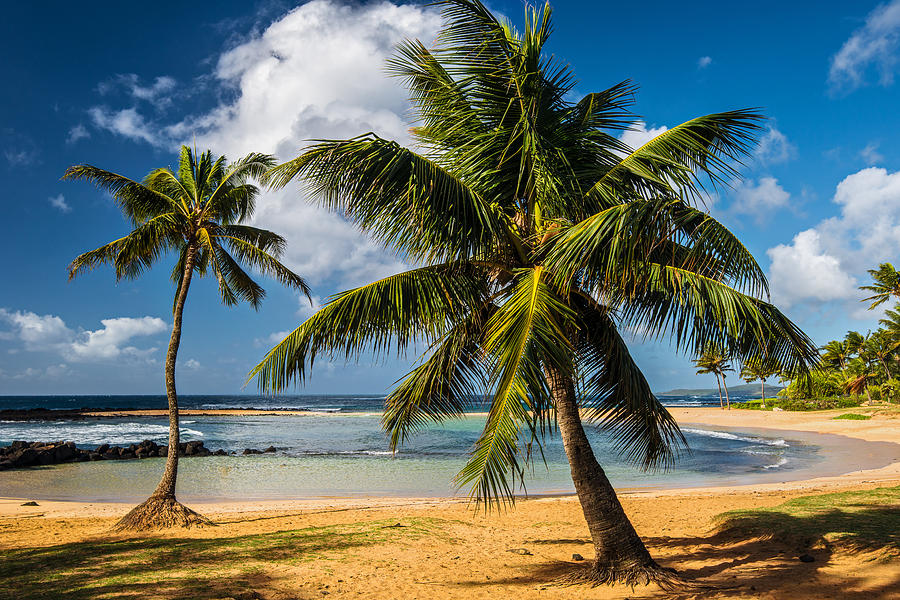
{"x":852,"y":417}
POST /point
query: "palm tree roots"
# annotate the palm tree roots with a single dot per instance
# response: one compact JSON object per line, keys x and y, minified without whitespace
{"x":596,"y":574}
{"x":161,"y":512}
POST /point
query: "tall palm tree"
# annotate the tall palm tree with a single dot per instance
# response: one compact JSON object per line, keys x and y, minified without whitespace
{"x":891,"y":324}
{"x":196,"y":212}
{"x":886,"y":283}
{"x":538,"y":235}
{"x":714,"y":360}
{"x":756,"y":369}
{"x":880,"y":347}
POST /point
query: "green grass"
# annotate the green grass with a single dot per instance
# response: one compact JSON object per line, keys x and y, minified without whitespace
{"x":186,"y":568}
{"x":852,"y":417}
{"x":860,"y":521}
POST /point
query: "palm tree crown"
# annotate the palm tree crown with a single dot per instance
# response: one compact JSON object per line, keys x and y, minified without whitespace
{"x":886,"y":284}
{"x":539,"y":234}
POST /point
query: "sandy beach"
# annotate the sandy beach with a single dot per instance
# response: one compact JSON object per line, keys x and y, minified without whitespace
{"x":439,"y":548}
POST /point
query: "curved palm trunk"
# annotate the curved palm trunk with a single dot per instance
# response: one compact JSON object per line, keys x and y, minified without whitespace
{"x":727,"y":399}
{"x":161,"y":509}
{"x":721,"y":400}
{"x":762,"y":383}
{"x":621,"y":556}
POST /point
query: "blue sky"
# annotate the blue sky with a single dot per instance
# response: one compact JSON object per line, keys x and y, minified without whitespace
{"x":120,"y":87}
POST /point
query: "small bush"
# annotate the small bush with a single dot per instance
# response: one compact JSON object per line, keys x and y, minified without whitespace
{"x":801,"y":404}
{"x":852,"y":417}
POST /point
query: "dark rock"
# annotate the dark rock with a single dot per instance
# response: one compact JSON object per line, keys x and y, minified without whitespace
{"x":143,"y":453}
{"x":112,"y":454}
{"x":163,"y":451}
{"x":46,"y":456}
{"x":18,"y":445}
{"x":30,"y":503}
{"x":251,"y":451}
{"x":64,"y":452}
{"x":807,"y":558}
{"x":25,"y":457}
{"x":95,"y":456}
{"x":270,"y":449}
{"x":577,"y":557}
{"x":220,"y":452}
{"x":103,"y":449}
{"x":127,"y":454}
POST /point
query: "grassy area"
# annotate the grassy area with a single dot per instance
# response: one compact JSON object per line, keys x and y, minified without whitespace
{"x":852,"y":417}
{"x":862,"y":521}
{"x":186,"y":568}
{"x":806,"y":404}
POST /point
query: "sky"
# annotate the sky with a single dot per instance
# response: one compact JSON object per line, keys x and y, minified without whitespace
{"x":120,"y":87}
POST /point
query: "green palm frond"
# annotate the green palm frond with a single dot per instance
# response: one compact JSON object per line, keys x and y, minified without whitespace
{"x":137,"y":201}
{"x":391,"y":313}
{"x":615,"y":393}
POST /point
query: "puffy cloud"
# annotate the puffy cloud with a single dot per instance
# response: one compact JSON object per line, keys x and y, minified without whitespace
{"x":59,"y":203}
{"x":704,"y":61}
{"x":78,"y":132}
{"x":155,"y":93}
{"x":316,"y":72}
{"x":640,"y":135}
{"x":875,"y":44}
{"x":192,"y":364}
{"x":759,"y":199}
{"x":803,"y":271}
{"x":49,"y":333}
{"x":774,"y":147}
{"x":826,"y":262}
{"x":110,"y":341}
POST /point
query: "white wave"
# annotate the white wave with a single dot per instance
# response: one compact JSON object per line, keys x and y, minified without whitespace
{"x":781,"y":462}
{"x":188,"y":422}
{"x":91,"y":433}
{"x":738,"y":438}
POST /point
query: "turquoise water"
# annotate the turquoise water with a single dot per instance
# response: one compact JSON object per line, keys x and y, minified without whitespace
{"x":348,"y":455}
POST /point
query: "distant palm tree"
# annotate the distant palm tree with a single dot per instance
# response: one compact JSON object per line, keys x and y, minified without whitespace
{"x":756,"y":369}
{"x":880,"y":347}
{"x":714,"y":360}
{"x":196,"y":212}
{"x":891,"y":324}
{"x":886,"y":284}
{"x":835,"y":354}
{"x":538,"y":234}
{"x":854,"y":342}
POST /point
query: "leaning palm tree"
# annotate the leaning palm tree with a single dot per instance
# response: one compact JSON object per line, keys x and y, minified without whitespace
{"x":538,"y":236}
{"x":835,"y":354}
{"x":196,"y":212}
{"x":714,"y":360}
{"x":886,"y":284}
{"x":756,"y":369}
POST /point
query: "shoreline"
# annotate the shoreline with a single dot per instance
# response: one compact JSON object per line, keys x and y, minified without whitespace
{"x":877,"y":463}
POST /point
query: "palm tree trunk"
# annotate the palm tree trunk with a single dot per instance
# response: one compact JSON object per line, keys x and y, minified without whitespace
{"x":762,"y":382}
{"x":721,"y":401}
{"x":727,"y":399}
{"x":161,"y":509}
{"x":621,"y":556}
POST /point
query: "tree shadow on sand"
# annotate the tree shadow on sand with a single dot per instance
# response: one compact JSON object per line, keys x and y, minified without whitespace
{"x":177,"y":567}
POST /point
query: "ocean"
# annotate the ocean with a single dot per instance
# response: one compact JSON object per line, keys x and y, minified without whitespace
{"x":345,"y":452}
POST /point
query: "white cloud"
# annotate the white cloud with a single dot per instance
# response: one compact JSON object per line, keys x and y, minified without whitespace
{"x":826,"y":262}
{"x":704,"y":61}
{"x":59,"y":203}
{"x":774,"y":147}
{"x":307,"y":309}
{"x":155,"y":93}
{"x":128,"y":123}
{"x":192,"y":364}
{"x":759,"y":199}
{"x":316,"y":72}
{"x":110,"y":341}
{"x":77,"y":133}
{"x":640,"y":135}
{"x":803,"y":271}
{"x":870,"y":153}
{"x":875,"y":44}
{"x":49,"y":333}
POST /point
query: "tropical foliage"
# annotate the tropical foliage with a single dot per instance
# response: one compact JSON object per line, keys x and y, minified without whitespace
{"x":540,"y":237}
{"x":714,"y":360}
{"x":195,"y":212}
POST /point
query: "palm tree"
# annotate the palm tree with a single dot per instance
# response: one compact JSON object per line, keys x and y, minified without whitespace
{"x":196,"y":212}
{"x":835,"y":354}
{"x":879,"y":347}
{"x":705,"y":365}
{"x":756,"y":369}
{"x":538,"y":235}
{"x":886,"y":284}
{"x":714,"y":360}
{"x":891,"y":324}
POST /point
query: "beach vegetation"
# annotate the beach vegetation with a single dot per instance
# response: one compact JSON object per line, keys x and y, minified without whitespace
{"x":541,"y":242}
{"x":852,"y":417}
{"x":196,"y":213}
{"x":714,"y":360}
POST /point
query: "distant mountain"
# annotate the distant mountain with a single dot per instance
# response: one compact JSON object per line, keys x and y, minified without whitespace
{"x":746,"y":389}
